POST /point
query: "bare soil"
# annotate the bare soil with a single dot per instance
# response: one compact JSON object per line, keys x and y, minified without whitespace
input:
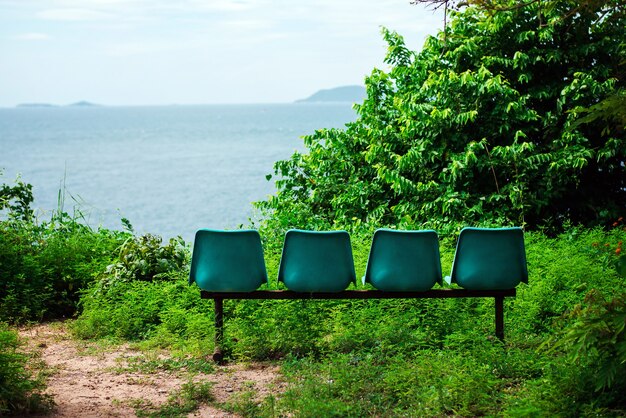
{"x":92,"y":380}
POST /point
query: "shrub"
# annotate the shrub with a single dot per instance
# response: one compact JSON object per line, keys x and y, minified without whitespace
{"x":169,"y":311}
{"x":392,"y":357}
{"x":144,"y":258}
{"x":425,"y":383}
{"x":16,"y":200}
{"x":20,"y":391}
{"x":479,"y":127}
{"x":45,"y":266}
{"x":594,"y":339}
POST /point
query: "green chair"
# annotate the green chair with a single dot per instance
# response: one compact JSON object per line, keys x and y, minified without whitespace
{"x":316,"y":261}
{"x":227,"y":261}
{"x":490,"y":259}
{"x":403,"y":261}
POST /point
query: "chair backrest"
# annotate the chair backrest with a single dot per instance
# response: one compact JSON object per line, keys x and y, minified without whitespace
{"x":403,"y":261}
{"x":227,"y":261}
{"x":490,"y":259}
{"x":316,"y":261}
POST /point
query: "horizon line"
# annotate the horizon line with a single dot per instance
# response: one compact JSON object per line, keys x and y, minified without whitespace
{"x":45,"y":105}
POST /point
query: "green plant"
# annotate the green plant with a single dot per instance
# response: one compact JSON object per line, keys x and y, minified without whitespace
{"x":147,"y":364}
{"x":167,"y":311}
{"x":144,"y":258}
{"x":477,"y":128}
{"x":375,"y":384}
{"x":20,"y":391}
{"x":243,"y":404}
{"x":43,"y":267}
{"x":595,"y":338}
{"x":180,"y":403}
{"x":611,"y":254}
{"x":17,"y":200}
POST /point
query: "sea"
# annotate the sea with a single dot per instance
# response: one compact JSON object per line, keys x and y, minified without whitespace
{"x":169,"y":170}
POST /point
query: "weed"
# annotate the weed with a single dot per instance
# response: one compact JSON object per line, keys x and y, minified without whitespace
{"x":243,"y":403}
{"x":180,"y":403}
{"x":148,"y":364}
{"x":20,"y":391}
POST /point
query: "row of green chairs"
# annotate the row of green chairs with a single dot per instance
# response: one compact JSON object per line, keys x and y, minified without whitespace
{"x":399,"y":261}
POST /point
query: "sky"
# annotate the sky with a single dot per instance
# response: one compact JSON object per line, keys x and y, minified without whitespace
{"x":161,"y":52}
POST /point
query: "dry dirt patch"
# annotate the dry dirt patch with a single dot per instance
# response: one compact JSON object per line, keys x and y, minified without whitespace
{"x":89,"y":380}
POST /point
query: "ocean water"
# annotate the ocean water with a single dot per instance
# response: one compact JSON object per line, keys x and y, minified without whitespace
{"x":170,"y":170}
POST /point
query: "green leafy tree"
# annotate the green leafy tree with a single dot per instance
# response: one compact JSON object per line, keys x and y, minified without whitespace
{"x":480,"y":127}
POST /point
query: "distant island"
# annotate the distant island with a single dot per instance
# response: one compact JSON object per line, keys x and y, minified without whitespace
{"x":84,"y":104}
{"x":77,"y":104}
{"x":36,"y":105}
{"x":345,"y":94}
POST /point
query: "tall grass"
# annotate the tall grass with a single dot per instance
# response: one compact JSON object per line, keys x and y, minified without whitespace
{"x":396,"y":357}
{"x":564,"y":353}
{"x":21,"y":389}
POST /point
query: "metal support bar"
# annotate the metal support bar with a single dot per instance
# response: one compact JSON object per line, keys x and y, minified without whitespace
{"x":500,"y":317}
{"x":359,"y":294}
{"x":219,"y":297}
{"x":218,"y":355}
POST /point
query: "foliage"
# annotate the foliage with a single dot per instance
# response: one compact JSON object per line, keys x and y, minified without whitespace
{"x":480,"y":127}
{"x":428,"y":383}
{"x":167,"y":312}
{"x":20,"y":391}
{"x":595,"y":338}
{"x":17,"y":200}
{"x":43,"y":267}
{"x":180,"y":403}
{"x":390,"y":357}
{"x":144,"y":258}
{"x":245,"y":405}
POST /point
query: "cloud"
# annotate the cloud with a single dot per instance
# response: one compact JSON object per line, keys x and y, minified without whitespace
{"x":32,"y":36}
{"x":74,"y":14}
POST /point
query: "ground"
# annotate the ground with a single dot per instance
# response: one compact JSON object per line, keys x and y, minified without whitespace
{"x":103,"y":380}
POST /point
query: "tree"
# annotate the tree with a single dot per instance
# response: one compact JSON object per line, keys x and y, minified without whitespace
{"x":480,"y":127}
{"x":613,"y":107}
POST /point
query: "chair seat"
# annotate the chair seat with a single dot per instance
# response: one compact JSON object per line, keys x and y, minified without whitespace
{"x":227,"y":261}
{"x":315,"y":261}
{"x":403,"y":261}
{"x":490,"y":259}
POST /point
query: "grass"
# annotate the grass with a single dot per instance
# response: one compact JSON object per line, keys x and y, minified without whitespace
{"x":383,"y":357}
{"x":22,"y":377}
{"x":179,"y":404}
{"x":151,"y":362}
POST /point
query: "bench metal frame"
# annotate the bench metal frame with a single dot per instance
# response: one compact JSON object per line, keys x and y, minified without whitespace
{"x":218,"y":298}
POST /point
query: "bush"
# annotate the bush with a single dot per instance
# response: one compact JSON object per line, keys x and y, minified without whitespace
{"x":167,"y":312}
{"x":481,"y":127}
{"x":45,"y":266}
{"x":394,"y":357}
{"x":594,"y":342}
{"x":144,"y":258}
{"x":16,"y":200}
{"x":20,"y":392}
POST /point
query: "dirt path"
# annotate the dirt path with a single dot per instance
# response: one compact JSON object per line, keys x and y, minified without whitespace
{"x":90,"y":380}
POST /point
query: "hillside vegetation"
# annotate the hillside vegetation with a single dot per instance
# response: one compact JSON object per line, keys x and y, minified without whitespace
{"x":512,"y":117}
{"x":484,"y":125}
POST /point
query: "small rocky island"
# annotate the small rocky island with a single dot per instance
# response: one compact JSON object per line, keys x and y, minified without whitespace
{"x":344,"y":94}
{"x":77,"y":104}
